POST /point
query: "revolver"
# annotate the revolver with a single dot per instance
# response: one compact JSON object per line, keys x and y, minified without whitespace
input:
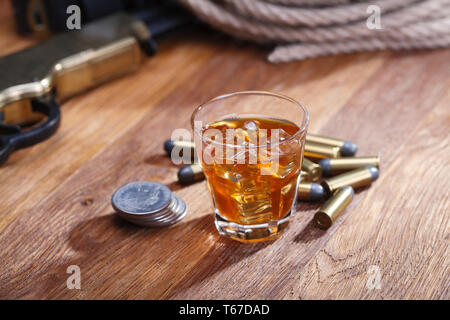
{"x":36,"y":80}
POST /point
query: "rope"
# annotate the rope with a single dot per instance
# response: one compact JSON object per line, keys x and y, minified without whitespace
{"x":304,"y":51}
{"x":311,"y":3}
{"x":311,"y":17}
{"x":302,"y":30}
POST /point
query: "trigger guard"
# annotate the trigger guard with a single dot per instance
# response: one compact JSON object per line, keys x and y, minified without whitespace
{"x":44,"y":131}
{"x":12,"y":142}
{"x":5,"y":149}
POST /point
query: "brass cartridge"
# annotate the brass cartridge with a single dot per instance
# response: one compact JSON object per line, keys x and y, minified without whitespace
{"x":348,"y":148}
{"x":356,"y":178}
{"x":313,"y":169}
{"x":190,"y":174}
{"x":170,"y":144}
{"x":180,"y":146}
{"x":304,"y":176}
{"x":329,"y":212}
{"x":308,"y":191}
{"x":321,"y":151}
{"x":338,"y":165}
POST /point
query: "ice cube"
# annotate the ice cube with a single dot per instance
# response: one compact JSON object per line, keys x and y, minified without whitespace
{"x":284,"y":170}
{"x":235,"y":156}
{"x":251,"y":125}
{"x":279,"y":135}
{"x":233,"y":176}
{"x":281,"y":143}
{"x":264,"y":155}
{"x":242,"y":137}
{"x":227,"y":171}
{"x":253,"y":198}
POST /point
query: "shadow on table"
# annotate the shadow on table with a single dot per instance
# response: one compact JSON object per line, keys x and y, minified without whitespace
{"x":175,"y":250}
{"x":220,"y":257}
{"x":172,"y":259}
{"x":311,"y":232}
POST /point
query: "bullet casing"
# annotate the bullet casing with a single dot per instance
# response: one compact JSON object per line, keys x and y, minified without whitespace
{"x":304,"y":176}
{"x":180,"y":146}
{"x":329,"y":212}
{"x":347,"y":148}
{"x":190,"y":174}
{"x":197,"y":171}
{"x":310,"y":191}
{"x":355,"y":179}
{"x":313,"y":169}
{"x":184,"y":144}
{"x":321,"y":151}
{"x":339,"y":165}
{"x":324,"y":140}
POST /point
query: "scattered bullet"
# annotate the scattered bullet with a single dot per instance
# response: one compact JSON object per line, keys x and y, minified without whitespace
{"x":190,"y":174}
{"x":356,"y":178}
{"x":334,"y":166}
{"x":348,"y":148}
{"x":329,"y":212}
{"x":313,"y":169}
{"x":321,"y":151}
{"x":310,"y":191}
{"x":169,"y":145}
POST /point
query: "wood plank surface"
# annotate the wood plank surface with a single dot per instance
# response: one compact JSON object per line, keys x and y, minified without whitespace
{"x":55,"y":197}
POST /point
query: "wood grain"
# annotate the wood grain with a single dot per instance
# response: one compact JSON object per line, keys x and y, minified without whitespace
{"x":55,"y":197}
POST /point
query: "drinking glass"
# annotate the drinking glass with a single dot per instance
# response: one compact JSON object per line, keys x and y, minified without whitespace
{"x":250,"y":147}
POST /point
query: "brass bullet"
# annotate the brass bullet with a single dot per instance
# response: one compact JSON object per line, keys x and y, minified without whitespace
{"x":304,"y":176}
{"x":338,"y":165}
{"x":190,"y":173}
{"x":181,"y":144}
{"x":355,"y":179}
{"x":321,"y":151}
{"x":348,"y":148}
{"x":329,"y":212}
{"x":310,"y":191}
{"x":313,"y":169}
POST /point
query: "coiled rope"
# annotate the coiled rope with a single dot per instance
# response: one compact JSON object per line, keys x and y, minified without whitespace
{"x":309,"y":28}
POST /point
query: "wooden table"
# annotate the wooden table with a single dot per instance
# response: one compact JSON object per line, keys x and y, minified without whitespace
{"x":55,"y":197}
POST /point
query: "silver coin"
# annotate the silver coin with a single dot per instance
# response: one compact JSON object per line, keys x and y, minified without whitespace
{"x":148,"y":204}
{"x":164,"y":213}
{"x":181,"y":212}
{"x":167,"y":222}
{"x":182,"y":208}
{"x":180,"y":217}
{"x":157,"y":223}
{"x":141,"y":198}
{"x":169,"y":216}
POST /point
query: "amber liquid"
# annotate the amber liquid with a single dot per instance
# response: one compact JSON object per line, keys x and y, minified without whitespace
{"x":253,"y":193}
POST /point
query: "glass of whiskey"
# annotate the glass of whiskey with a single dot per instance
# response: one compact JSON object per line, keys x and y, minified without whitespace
{"x":250,"y":147}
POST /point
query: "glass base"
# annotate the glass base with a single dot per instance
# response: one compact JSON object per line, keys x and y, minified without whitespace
{"x":251,"y":233}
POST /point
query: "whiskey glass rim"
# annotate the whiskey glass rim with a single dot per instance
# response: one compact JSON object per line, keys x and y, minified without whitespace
{"x":300,"y":131}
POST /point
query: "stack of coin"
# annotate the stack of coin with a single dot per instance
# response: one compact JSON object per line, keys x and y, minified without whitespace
{"x":148,"y":204}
